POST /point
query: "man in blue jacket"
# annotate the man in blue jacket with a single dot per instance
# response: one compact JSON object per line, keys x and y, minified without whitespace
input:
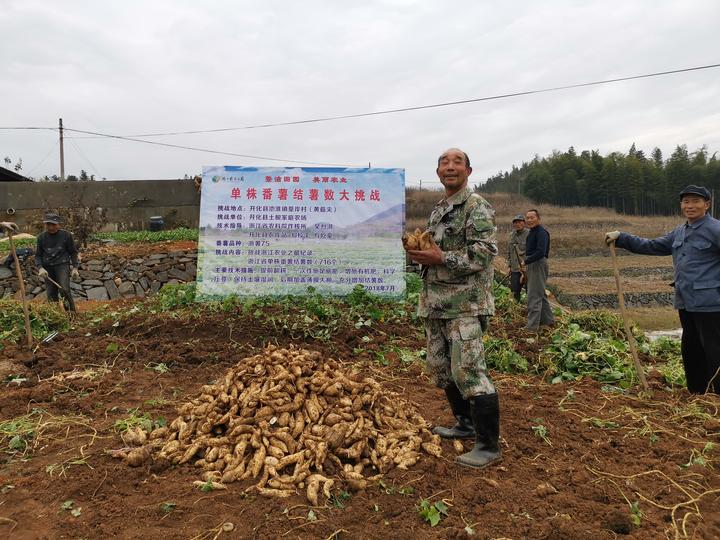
{"x":537,"y":250}
{"x":695,"y":249}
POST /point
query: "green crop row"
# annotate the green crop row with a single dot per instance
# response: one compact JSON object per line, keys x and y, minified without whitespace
{"x":150,"y":236}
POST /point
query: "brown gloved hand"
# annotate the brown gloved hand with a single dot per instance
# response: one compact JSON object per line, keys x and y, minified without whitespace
{"x":611,"y":237}
{"x":9,"y":226}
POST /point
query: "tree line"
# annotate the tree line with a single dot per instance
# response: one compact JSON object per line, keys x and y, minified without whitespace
{"x":630,"y":183}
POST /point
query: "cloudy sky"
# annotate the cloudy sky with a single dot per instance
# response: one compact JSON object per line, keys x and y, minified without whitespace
{"x":136,"y":67}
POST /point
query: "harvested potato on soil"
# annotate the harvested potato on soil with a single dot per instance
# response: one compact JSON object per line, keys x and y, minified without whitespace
{"x":134,"y":436}
{"x":137,"y":456}
{"x":290,"y":421}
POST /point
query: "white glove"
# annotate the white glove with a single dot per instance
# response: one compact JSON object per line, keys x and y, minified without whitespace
{"x":42,"y":273}
{"x":611,"y":237}
{"x":74,"y":273}
{"x":9,"y":226}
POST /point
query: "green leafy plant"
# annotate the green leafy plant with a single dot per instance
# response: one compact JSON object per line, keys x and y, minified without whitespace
{"x":500,"y":355}
{"x":207,"y":486}
{"x":432,"y":513}
{"x":69,"y":505}
{"x":175,"y":296}
{"x":160,"y":367}
{"x":44,"y":318}
{"x":392,"y":490}
{"x":541,"y":431}
{"x":339,"y":499}
{"x":19,"y":432}
{"x":145,"y":421}
{"x":574,"y":353}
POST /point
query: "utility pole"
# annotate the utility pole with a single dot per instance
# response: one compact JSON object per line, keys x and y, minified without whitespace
{"x":62,"y":154}
{"x":421,"y":184}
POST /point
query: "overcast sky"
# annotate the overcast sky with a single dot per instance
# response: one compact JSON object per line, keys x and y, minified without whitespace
{"x":136,"y":67}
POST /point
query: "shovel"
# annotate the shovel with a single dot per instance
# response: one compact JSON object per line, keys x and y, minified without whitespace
{"x":626,"y":322}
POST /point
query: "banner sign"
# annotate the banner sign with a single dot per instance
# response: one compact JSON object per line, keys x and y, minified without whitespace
{"x":279,"y":231}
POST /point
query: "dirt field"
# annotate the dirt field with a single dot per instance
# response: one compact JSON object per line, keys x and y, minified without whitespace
{"x":580,"y":461}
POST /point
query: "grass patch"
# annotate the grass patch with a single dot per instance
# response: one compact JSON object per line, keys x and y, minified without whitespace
{"x":654,"y":318}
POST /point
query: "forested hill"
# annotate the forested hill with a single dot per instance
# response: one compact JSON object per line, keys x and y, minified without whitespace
{"x":631,"y":183}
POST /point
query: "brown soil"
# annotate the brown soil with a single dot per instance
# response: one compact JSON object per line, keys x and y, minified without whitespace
{"x":136,"y":249}
{"x":602,"y":451}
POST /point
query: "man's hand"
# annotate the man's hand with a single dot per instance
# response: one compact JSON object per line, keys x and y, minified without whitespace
{"x":42,"y":273}
{"x":9,"y":226}
{"x":427,"y":257}
{"x":611,"y":237}
{"x":74,"y":273}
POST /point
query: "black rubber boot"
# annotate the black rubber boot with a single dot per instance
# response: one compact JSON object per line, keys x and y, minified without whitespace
{"x":485,"y":412}
{"x":463,"y":428}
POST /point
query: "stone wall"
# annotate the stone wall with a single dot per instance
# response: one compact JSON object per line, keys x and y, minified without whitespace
{"x":110,"y":276}
{"x":610,"y":301}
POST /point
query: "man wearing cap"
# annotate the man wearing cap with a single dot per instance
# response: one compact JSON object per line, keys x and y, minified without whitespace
{"x":57,"y":259}
{"x":516,"y":254}
{"x":695,"y":249}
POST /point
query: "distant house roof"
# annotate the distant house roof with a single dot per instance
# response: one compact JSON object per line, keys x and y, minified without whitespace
{"x":6,"y":175}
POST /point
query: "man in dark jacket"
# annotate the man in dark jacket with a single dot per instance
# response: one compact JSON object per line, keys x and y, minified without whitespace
{"x":57,"y":259}
{"x":695,"y":249}
{"x":537,"y":250}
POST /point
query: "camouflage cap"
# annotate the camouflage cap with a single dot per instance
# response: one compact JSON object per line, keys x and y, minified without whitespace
{"x":519,"y":217}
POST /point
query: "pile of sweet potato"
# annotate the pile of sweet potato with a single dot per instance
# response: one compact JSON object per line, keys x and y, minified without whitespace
{"x":288,"y":419}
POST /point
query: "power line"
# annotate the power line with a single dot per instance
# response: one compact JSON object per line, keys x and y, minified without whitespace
{"x":84,"y":156}
{"x":436,"y":105}
{"x":28,"y":127}
{"x":134,"y":138}
{"x":43,"y":159}
{"x":207,"y":150}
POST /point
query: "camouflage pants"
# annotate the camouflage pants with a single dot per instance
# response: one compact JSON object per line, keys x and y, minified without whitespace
{"x":455,"y":353}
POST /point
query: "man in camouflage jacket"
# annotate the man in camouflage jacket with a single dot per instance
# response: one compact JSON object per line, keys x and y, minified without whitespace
{"x":516,"y":254}
{"x":455,"y":303}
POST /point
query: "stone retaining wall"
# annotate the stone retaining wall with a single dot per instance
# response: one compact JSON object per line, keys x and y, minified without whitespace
{"x":610,"y":301}
{"x":666,"y":272}
{"x":110,"y":276}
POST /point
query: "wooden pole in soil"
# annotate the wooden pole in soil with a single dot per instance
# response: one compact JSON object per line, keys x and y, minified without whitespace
{"x":626,"y":322}
{"x":21,"y":282}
